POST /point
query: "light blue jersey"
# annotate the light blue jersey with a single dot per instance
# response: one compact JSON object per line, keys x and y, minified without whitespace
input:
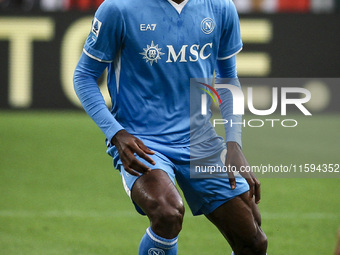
{"x":161,"y":57}
{"x":153,"y":50}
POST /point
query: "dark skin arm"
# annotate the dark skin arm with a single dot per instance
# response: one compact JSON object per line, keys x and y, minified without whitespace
{"x":235,"y":157}
{"x":127,"y":145}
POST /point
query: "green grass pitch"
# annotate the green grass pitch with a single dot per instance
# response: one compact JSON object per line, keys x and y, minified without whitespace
{"x":59,"y":193}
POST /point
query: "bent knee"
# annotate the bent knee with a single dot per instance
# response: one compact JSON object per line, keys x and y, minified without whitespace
{"x":261,"y":244}
{"x":168,"y":214}
{"x":257,"y":245}
{"x":166,"y":218}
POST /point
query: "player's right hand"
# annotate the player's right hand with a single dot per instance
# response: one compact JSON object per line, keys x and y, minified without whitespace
{"x":127,"y":145}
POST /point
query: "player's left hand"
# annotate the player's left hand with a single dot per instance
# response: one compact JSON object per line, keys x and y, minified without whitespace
{"x":236,"y":158}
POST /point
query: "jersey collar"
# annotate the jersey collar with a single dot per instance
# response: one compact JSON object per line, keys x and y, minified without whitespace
{"x":178,"y":7}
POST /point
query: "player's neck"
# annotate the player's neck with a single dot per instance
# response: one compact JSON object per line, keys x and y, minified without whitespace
{"x":177,"y":1}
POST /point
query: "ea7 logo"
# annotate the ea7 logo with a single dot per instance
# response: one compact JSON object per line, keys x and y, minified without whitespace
{"x":147,"y":27}
{"x":193,"y":54}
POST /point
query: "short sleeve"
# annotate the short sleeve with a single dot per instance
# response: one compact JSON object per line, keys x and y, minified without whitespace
{"x":107,"y":33}
{"x":230,"y":42}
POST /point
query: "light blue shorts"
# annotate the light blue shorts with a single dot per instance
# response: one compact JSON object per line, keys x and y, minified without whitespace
{"x":203,"y":193}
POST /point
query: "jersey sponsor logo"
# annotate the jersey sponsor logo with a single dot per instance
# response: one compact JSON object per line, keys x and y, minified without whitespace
{"x":152,"y":53}
{"x":207,"y":25}
{"x":186,"y":53}
{"x":147,"y":27}
{"x":96,"y":25}
{"x":155,"y":251}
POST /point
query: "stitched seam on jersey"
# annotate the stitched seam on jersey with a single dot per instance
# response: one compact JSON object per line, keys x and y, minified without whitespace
{"x":95,"y":58}
{"x":230,"y":56}
{"x":118,"y":67}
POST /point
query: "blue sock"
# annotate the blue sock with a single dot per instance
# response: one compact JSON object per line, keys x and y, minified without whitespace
{"x":152,"y":244}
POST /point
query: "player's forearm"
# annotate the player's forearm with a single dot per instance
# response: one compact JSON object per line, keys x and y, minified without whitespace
{"x":233,"y":126}
{"x":87,"y":90}
{"x":226,"y":69}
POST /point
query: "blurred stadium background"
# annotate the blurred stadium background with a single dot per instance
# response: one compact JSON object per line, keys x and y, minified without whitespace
{"x":59,"y":193}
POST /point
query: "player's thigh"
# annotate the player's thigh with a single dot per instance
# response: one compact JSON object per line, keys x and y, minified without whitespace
{"x":155,"y":191}
{"x":157,"y":196}
{"x":148,"y":189}
{"x":239,"y":220}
